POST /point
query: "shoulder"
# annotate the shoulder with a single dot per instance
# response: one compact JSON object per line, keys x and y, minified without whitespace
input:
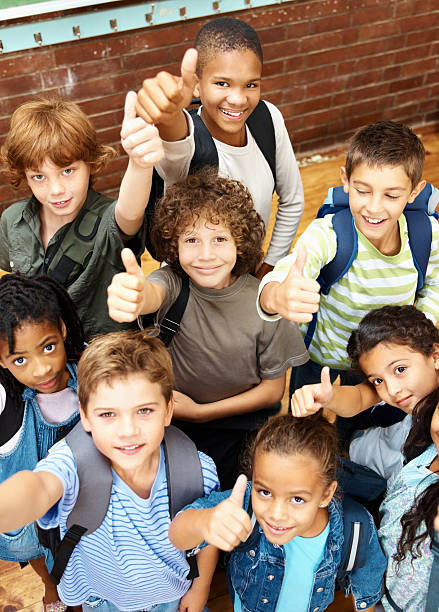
{"x":275,"y":113}
{"x":210,"y":476}
{"x":14,"y":211}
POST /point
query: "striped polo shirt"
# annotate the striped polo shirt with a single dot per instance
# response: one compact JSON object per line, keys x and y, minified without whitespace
{"x":373,"y":280}
{"x":129,"y":560}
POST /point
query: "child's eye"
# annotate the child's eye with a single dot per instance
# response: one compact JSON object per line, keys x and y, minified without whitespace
{"x":38,"y":177}
{"x":221,"y":84}
{"x":361,"y":192}
{"x":220,"y":239}
{"x":49,"y":348}
{"x":376,"y":381}
{"x":144,"y":411}
{"x":68,"y":171}
{"x":392,"y":197}
{"x":19,"y":361}
{"x":252,"y":85}
{"x":264,"y":493}
{"x":400,"y":369}
{"x":297,"y":500}
{"x":107,"y":415}
{"x":191,"y":240}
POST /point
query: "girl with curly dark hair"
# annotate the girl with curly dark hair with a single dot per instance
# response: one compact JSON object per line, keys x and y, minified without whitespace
{"x":229,"y":365}
{"x":409,"y":511}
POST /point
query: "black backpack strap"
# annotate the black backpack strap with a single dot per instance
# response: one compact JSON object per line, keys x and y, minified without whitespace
{"x":205,"y":153}
{"x":170,"y":323}
{"x":432,"y":604}
{"x":184,"y":477}
{"x":157,"y":191}
{"x":420,"y":235}
{"x":260,"y":124}
{"x":95,"y":481}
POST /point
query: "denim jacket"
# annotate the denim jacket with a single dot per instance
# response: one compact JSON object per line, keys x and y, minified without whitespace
{"x":35,"y":439}
{"x":256,"y":574}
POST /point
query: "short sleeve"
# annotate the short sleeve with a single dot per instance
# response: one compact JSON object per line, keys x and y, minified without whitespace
{"x":281,"y":347}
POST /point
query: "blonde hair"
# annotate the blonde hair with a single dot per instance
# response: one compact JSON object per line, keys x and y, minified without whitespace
{"x":56,"y":129}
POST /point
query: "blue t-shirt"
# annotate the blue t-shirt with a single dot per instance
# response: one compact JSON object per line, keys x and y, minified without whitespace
{"x":129,"y":560}
{"x":302,"y":558}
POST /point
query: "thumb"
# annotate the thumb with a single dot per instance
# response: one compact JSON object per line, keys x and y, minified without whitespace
{"x":130,"y":106}
{"x":188,"y":68}
{"x":297,"y":269}
{"x":130,"y":263}
{"x":325,"y":381}
{"x":238,"y":491}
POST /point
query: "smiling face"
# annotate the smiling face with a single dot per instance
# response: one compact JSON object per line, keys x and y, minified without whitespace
{"x":39,"y":358}
{"x":207,"y":253}
{"x":289,"y":497}
{"x":61,"y":191}
{"x":400,"y":375}
{"x":377,"y":197}
{"x":127,"y":419}
{"x":230,"y":89}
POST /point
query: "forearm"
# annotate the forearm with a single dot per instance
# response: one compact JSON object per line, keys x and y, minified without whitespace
{"x":267,"y":299}
{"x":133,"y":198}
{"x":152,"y":297}
{"x":265,"y":394}
{"x":348,"y":401}
{"x":207,"y":559}
{"x":187,"y":528}
{"x":175,"y":129}
{"x":26,"y":497}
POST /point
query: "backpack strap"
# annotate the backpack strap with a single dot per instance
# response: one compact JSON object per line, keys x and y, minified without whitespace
{"x":93,"y":497}
{"x":260,"y":124}
{"x":432,"y":604}
{"x":184,"y":476}
{"x":420,"y":235}
{"x":170,"y":323}
{"x":356,"y":537}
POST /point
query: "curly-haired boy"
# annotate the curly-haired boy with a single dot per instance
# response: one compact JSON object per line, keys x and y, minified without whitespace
{"x":229,"y":365}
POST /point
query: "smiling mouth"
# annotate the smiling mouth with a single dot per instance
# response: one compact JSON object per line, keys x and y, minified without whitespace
{"x":130,"y":449}
{"x":276,"y":530}
{"x":48,"y":384}
{"x":404,"y":400}
{"x":61,"y":203}
{"x":373,"y":221}
{"x":232,"y":114}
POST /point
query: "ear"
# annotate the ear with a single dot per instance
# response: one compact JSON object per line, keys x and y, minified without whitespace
{"x":328,"y":494}
{"x":344,"y":179}
{"x":169,"y":412}
{"x":416,"y":191}
{"x":435,"y":355}
{"x":63,"y":329}
{"x":197,"y":87}
{"x":84,"y":420}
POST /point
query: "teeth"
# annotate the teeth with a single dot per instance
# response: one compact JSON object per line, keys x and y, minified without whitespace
{"x":231,"y":114}
{"x":133,"y":446}
{"x":370,"y":220}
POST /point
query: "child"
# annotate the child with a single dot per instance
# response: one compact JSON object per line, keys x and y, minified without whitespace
{"x":41,"y":339}
{"x":382,"y":173}
{"x":128,"y":563}
{"x":397,"y":349}
{"x":409,"y":510}
{"x":66,"y":229}
{"x":229,"y":365}
{"x":227,"y":78}
{"x":295,"y":563}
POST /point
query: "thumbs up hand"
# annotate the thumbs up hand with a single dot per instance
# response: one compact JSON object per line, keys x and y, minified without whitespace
{"x":140,"y":140}
{"x":126,"y":292}
{"x":165,"y":95}
{"x":297,"y":297}
{"x":310,"y":398}
{"x":228,"y":524}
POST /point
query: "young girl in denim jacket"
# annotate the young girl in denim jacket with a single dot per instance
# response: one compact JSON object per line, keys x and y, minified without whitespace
{"x":294,"y":563}
{"x":409,"y":512}
{"x":41,"y":339}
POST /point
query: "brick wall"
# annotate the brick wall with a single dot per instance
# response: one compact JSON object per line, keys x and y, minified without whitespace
{"x":330,"y":65}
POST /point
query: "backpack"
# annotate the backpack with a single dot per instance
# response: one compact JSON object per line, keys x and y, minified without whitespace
{"x":184,"y":479}
{"x":261,"y":127}
{"x":357,"y":532}
{"x":419,"y":230}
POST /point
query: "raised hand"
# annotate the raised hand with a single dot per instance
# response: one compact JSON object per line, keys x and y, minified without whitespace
{"x":140,"y":139}
{"x":228,"y":523}
{"x":310,"y":398}
{"x":297,"y":297}
{"x":125,"y":294}
{"x":165,"y":95}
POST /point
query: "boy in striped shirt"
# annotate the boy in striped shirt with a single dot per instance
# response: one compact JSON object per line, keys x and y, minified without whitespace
{"x":382,"y":174}
{"x":128,"y":563}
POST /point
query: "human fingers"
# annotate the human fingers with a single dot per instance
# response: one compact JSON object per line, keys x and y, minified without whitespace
{"x":238,"y":491}
{"x":130,"y":263}
{"x":188,"y":69}
{"x":303,"y":401}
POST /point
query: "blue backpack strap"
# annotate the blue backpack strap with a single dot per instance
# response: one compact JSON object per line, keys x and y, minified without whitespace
{"x":432,"y":604}
{"x":356,"y":537}
{"x":260,"y":124}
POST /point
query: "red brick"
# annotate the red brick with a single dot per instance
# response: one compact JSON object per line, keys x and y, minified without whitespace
{"x":317,"y":118}
{"x":344,"y":68}
{"x":20,"y":85}
{"x":339,"y":83}
{"x":349,"y":36}
{"x":320,"y":41}
{"x":313,"y":10}
{"x":143,"y":59}
{"x":420,"y":22}
{"x":326,"y":57}
{"x":375,"y":61}
{"x":364,"y":78}
{"x":410,"y":54}
{"x":378,"y":30}
{"x":371,"y":15}
{"x":298,"y":62}
{"x":332,"y":22}
{"x":309,"y":106}
{"x":119,"y":45}
{"x":425,"y":106}
{"x":425,"y":6}
{"x":109,"y":136}
{"x":367,"y":48}
{"x":315,"y":74}
{"x":396,"y":42}
{"x":296,"y":31}
{"x":362,"y":108}
{"x":279,"y":82}
{"x":391,"y":73}
{"x":124,"y":82}
{"x":287,"y":110}
{"x":103,"y":103}
{"x":292,"y":94}
{"x":4,"y":127}
{"x":302,"y":135}
{"x":374,"y":91}
{"x":275,"y":97}
{"x":106,"y":120}
{"x":432,"y":77}
{"x":10,"y":104}
{"x":33,"y":61}
{"x":154,"y":38}
{"x":55,"y":78}
{"x":7,"y":194}
{"x":89,"y":89}
{"x":284,"y":49}
{"x":89,"y":70}
{"x":430,"y":117}
{"x":74,"y":53}
{"x":119,"y":164}
{"x":419,"y":67}
{"x":402,"y":8}
{"x":341,"y":99}
{"x":272,"y":68}
{"x":270,"y":35}
{"x":422,"y":37}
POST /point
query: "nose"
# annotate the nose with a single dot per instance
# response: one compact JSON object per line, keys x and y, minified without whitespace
{"x":374,"y":204}
{"x":127,"y":426}
{"x":40,"y":367}
{"x":56,"y":186}
{"x":393,"y":387}
{"x":278,"y":511}
{"x":237,"y":96}
{"x":206,"y":251}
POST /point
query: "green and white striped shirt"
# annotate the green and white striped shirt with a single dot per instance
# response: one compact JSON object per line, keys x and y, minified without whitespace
{"x":373,"y":280}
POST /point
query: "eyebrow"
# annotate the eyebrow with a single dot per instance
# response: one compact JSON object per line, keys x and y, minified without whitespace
{"x":144,"y":405}
{"x":263,"y":486}
{"x":46,"y":340}
{"x":228,"y":78}
{"x":358,"y":182}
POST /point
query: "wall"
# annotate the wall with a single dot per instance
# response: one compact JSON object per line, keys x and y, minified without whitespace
{"x":330,"y":65}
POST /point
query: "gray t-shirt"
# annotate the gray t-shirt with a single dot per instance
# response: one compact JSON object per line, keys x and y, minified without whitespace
{"x":223,"y":347}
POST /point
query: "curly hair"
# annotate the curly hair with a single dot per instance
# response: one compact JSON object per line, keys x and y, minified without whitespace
{"x":217,"y":199}
{"x":313,"y":436}
{"x":424,"y":508}
{"x":387,"y":143}
{"x":403,"y":325}
{"x":56,"y":129}
{"x":224,"y":35}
